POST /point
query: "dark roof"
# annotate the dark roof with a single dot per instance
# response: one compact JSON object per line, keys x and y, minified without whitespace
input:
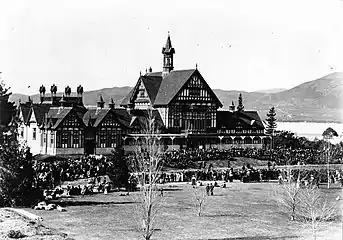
{"x":246,"y":119}
{"x":251,"y":115}
{"x":162,"y":90}
{"x":171,"y":85}
{"x":40,"y":110}
{"x":56,"y":115}
{"x":25,"y":110}
{"x":126,"y":100}
{"x":94,"y":116}
{"x":123,"y":116}
{"x":152,"y":85}
{"x":139,"y":117}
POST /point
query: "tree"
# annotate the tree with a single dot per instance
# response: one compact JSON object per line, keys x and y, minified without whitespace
{"x":119,"y":172}
{"x":149,"y":162}
{"x":240,"y":106}
{"x":199,"y":199}
{"x":16,"y":172}
{"x":7,"y":109}
{"x":328,"y":134}
{"x":315,"y":208}
{"x":286,"y":196}
{"x":271,"y":124}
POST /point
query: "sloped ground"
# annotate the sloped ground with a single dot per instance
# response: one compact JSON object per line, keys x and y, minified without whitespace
{"x":30,"y":230}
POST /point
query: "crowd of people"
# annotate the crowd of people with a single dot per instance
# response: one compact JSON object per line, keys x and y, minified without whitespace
{"x":49,"y":174}
{"x":282,"y":156}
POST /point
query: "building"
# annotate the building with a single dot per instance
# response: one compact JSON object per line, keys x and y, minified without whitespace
{"x":186,"y":109}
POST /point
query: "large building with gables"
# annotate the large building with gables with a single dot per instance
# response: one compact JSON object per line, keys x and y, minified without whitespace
{"x":187,"y":110}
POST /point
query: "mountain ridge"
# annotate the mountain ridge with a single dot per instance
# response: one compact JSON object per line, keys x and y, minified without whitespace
{"x":319,"y":100}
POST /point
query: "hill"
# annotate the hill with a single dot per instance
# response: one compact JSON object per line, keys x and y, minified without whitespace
{"x":319,"y":100}
{"x":273,"y":90}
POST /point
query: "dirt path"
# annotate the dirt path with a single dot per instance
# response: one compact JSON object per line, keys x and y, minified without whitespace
{"x":30,"y":229}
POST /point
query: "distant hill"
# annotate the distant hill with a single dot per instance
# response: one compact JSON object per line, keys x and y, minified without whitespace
{"x":319,"y":100}
{"x":273,"y":90}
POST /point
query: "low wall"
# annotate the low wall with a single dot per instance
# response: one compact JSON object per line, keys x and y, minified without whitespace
{"x":69,"y":151}
{"x":104,"y":151}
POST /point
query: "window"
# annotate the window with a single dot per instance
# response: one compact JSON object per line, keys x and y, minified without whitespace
{"x":22,"y":132}
{"x":51,"y":139}
{"x":108,"y":137}
{"x":34,"y":134}
{"x":76,"y":138}
{"x":65,"y":139}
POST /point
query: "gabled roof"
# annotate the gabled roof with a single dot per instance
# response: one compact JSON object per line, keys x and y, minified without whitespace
{"x":139,"y":117}
{"x":56,"y":115}
{"x":162,"y":90}
{"x":152,"y":85}
{"x":246,"y":119}
{"x":171,"y":85}
{"x":25,"y":110}
{"x":40,"y":110}
{"x":94,"y":116}
{"x":123,"y":116}
{"x":252,"y":115}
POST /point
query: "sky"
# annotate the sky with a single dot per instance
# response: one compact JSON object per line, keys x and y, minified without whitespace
{"x":245,"y":45}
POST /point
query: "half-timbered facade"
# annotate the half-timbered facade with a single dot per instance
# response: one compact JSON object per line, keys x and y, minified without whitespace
{"x":189,"y":109}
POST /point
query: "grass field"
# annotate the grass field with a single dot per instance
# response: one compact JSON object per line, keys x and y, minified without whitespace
{"x":240,"y":212}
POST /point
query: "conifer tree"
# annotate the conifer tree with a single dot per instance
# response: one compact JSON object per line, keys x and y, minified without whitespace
{"x":271,"y":121}
{"x":7,"y":109}
{"x":240,"y":106}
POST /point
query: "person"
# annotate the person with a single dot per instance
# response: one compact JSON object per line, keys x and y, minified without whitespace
{"x":231,"y":175}
{"x":161,"y":192}
{"x":208,"y":189}
{"x":211,"y":189}
{"x":193,"y":180}
{"x":280,"y":179}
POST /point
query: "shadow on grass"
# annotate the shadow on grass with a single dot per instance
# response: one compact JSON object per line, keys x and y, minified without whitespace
{"x":89,"y":203}
{"x":255,"y":238}
{"x":171,"y":189}
{"x":224,"y":215}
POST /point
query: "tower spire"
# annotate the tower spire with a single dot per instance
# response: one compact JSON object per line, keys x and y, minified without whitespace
{"x":168,"y":54}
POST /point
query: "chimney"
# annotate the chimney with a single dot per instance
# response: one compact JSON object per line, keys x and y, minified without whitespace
{"x":100,"y":102}
{"x":42,"y":93}
{"x":232,"y":108}
{"x":79,"y":91}
{"x":67,"y":91}
{"x":29,"y":101}
{"x":111,"y":104}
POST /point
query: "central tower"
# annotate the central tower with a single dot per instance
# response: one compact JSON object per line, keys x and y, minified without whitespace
{"x":168,"y":53}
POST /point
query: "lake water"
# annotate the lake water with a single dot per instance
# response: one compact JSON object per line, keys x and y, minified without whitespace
{"x":311,"y":130}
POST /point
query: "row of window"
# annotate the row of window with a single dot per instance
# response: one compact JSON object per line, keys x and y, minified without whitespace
{"x":239,"y":130}
{"x":107,"y":137}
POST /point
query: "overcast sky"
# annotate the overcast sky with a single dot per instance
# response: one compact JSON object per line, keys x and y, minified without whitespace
{"x":238,"y":45}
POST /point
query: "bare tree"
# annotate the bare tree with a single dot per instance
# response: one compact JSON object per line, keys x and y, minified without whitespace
{"x":328,"y":134}
{"x":148,"y":164}
{"x":287,"y":196}
{"x":315,"y":208}
{"x":199,"y":199}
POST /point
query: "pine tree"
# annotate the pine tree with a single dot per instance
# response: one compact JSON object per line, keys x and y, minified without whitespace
{"x":240,"y":106}
{"x":271,"y":121}
{"x":7,"y":109}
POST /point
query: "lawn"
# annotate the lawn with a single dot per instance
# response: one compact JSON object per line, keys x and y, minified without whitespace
{"x":241,"y":211}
